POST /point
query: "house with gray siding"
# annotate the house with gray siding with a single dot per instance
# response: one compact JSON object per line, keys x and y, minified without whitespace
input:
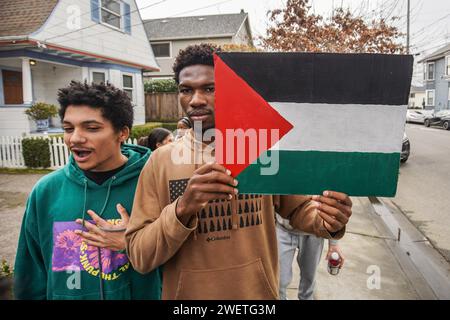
{"x":168,"y":36}
{"x":44,"y":44}
{"x":436,"y":79}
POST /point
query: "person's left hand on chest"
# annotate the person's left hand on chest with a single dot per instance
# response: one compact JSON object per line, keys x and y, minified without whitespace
{"x":104,"y":234}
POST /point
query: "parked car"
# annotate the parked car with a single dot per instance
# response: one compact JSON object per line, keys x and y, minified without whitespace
{"x":406,"y":147}
{"x":440,"y":118}
{"x":417,"y":116}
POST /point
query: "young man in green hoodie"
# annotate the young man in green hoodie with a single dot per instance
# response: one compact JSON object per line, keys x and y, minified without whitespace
{"x":72,"y":243}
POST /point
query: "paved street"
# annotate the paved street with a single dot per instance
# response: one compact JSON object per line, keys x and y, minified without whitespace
{"x":423,"y":192}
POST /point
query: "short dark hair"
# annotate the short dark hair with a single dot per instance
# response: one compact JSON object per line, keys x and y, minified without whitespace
{"x":157,"y":136}
{"x":194,"y":54}
{"x":114,"y":103}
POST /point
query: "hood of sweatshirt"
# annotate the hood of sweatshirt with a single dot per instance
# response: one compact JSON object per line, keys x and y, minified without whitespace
{"x":137,"y":157}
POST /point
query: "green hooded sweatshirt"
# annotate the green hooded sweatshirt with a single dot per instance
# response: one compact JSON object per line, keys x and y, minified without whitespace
{"x":55,"y":263}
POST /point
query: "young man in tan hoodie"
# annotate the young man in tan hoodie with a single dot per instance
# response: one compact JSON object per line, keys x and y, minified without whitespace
{"x":188,"y":216}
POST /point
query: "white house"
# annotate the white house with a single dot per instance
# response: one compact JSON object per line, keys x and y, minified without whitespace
{"x":44,"y":44}
{"x":417,"y":97}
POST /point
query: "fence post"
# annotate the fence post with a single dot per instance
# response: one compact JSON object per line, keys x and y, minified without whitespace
{"x":16,"y":151}
{"x":66,"y":152}
{"x":51,"y":146}
{"x":60,"y":153}
{"x":8,"y":151}
{"x":2,"y":152}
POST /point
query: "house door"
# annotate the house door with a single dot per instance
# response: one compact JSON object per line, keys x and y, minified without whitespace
{"x":12,"y":87}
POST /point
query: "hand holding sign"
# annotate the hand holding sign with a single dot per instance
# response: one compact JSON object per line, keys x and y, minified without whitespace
{"x":335,"y":208}
{"x":209,"y":182}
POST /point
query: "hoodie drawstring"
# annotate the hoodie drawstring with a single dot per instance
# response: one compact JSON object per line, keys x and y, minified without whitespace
{"x":84,"y":201}
{"x":99,"y":252}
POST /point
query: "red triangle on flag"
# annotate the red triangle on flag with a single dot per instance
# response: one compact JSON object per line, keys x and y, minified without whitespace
{"x":246,"y":125}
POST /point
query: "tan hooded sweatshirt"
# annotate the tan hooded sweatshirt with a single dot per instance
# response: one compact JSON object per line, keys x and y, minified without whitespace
{"x":229,"y":251}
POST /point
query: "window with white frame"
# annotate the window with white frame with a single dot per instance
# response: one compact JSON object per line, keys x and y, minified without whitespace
{"x":430,"y":98}
{"x":161,"y":49}
{"x":430,"y":71}
{"x":110,"y":13}
{"x":127,"y":85}
{"x":447,"y":65}
{"x":98,"y":77}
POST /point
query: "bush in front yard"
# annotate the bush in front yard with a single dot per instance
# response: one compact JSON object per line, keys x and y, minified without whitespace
{"x":160,"y":85}
{"x":144,"y":130}
{"x":36,"y":153}
{"x":6,"y":281}
{"x":41,"y":111}
{"x":171,"y":126}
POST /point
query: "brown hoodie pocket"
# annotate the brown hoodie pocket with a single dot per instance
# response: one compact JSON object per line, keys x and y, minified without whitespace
{"x":241,"y":282}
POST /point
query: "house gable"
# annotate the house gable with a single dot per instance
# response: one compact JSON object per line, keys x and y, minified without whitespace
{"x":74,"y":27}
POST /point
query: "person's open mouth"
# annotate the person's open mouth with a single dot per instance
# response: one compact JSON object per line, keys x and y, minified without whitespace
{"x":81,"y":154}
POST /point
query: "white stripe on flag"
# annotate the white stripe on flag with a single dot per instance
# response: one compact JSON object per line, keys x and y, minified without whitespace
{"x":342,"y":128}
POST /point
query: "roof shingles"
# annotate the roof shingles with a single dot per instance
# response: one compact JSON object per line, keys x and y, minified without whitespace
{"x":22,"y":17}
{"x":441,"y":52}
{"x":208,"y":26}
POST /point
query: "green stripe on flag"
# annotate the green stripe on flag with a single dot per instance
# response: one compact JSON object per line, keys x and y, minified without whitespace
{"x":307,"y":172}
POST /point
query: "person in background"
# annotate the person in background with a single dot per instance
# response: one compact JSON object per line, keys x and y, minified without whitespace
{"x":183,"y":125}
{"x":309,"y":249}
{"x":157,"y":138}
{"x":142,"y":141}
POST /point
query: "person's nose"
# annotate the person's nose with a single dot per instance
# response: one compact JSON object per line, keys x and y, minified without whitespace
{"x":198,"y":99}
{"x":77,"y":137}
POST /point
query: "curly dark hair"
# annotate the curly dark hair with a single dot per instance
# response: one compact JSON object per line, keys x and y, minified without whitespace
{"x":114,"y":103}
{"x":194,"y":54}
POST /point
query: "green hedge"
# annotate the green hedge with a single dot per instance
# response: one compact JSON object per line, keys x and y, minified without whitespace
{"x":145,"y":129}
{"x":161,"y":85}
{"x":36,"y":153}
{"x":6,"y":281}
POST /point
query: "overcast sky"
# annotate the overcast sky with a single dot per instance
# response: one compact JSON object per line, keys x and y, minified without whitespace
{"x":430,"y":19}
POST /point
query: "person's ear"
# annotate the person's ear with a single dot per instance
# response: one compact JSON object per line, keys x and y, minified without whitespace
{"x":124,"y":134}
{"x":158,"y":144}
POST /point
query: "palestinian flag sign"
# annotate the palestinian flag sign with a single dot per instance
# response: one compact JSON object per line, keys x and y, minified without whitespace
{"x":302,"y":123}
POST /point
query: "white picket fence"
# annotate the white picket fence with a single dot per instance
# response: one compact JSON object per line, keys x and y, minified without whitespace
{"x":11,"y":152}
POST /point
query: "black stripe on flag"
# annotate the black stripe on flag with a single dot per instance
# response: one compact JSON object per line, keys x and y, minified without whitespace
{"x":325,"y":77}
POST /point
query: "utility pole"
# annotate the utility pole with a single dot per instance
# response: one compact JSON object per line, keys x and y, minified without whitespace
{"x":407,"y":27}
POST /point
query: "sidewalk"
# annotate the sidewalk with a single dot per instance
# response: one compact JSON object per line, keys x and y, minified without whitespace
{"x":14,"y":190}
{"x":361,"y":252}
